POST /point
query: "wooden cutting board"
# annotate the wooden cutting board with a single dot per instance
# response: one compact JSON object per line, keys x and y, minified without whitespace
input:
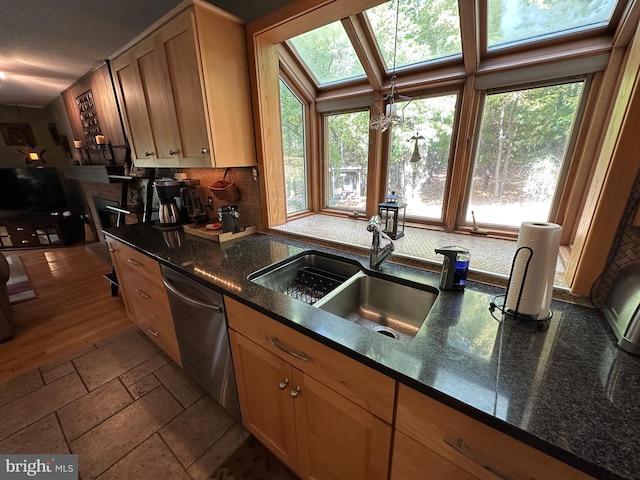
{"x":217,"y":235}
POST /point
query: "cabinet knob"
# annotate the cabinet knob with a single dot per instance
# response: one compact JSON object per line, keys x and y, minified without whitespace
{"x":295,"y":391}
{"x":148,"y":154}
{"x":204,"y":150}
{"x":173,"y":152}
{"x":283,"y":384}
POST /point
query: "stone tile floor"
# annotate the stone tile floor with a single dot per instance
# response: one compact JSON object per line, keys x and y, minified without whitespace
{"x":125,"y":409}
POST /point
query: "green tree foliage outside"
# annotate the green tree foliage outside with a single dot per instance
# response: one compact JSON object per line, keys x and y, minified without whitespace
{"x":347,"y":143}
{"x":293,"y":146}
{"x":427,"y":30}
{"x":522,"y":144}
{"x":516,"y":20}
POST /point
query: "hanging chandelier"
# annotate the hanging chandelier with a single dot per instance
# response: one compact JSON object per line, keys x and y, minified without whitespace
{"x":392,"y":115}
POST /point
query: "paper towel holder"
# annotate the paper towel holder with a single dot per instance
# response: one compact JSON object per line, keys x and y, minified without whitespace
{"x":540,"y":323}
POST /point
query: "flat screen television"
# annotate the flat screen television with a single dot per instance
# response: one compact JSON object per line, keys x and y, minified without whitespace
{"x":35,"y":189}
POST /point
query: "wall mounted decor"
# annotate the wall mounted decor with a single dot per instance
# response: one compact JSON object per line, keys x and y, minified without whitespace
{"x":18,"y":134}
{"x":88,"y":119}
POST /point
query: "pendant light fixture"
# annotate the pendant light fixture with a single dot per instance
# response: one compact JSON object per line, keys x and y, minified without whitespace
{"x":391,"y":115}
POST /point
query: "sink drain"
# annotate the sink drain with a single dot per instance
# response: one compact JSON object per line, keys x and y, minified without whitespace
{"x":386,"y":332}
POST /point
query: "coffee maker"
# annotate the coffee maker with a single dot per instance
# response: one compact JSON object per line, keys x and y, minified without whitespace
{"x":168,"y":213}
{"x":454,"y":267}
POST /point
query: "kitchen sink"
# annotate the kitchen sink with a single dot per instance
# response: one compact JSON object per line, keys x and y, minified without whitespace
{"x":308,"y":276}
{"x":383,"y":305}
{"x":338,"y":285}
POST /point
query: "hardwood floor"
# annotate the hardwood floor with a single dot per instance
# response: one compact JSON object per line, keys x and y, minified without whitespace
{"x":73,"y":308}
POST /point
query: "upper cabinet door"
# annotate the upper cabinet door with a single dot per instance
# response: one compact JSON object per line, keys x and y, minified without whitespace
{"x":134,"y":108}
{"x":185,"y":93}
{"x":177,"y":41}
{"x":148,"y":61}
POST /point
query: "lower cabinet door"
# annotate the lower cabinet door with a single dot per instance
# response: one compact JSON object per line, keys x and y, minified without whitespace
{"x":337,"y":439}
{"x":413,"y":461}
{"x":264,"y":388}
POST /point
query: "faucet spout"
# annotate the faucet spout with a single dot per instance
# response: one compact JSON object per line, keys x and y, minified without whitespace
{"x":378,"y":254}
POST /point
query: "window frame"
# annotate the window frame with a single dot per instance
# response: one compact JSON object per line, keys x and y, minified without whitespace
{"x":323,"y":206}
{"x":305,"y":121}
{"x":592,"y":194}
{"x":568,"y":162}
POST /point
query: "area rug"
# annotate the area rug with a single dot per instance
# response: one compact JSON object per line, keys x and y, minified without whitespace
{"x":19,"y":286}
{"x":252,"y":461}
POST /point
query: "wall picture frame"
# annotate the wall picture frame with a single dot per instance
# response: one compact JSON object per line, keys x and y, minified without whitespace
{"x":17,"y":134}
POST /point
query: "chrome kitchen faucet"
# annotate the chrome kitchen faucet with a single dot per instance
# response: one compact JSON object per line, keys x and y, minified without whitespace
{"x":378,"y":255}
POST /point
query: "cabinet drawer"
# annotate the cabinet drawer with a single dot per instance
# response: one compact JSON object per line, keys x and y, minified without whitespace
{"x":437,"y":426}
{"x":150,"y":310}
{"x":413,"y":461}
{"x":363,"y":385}
{"x":135,"y":261}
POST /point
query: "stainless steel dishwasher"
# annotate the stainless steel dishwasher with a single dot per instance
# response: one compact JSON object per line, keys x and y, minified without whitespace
{"x":201,"y":329}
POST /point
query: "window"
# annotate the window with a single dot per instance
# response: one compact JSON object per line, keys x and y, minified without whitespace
{"x":495,"y":97}
{"x":294,"y":150}
{"x":420,"y":153}
{"x":521,"y":149}
{"x":514,"y":21}
{"x":427,"y":30}
{"x":328,"y":54}
{"x":347,"y":155}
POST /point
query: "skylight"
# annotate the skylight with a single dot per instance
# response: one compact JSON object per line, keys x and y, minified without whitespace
{"x":516,"y":21}
{"x":328,"y":54}
{"x":427,"y":30}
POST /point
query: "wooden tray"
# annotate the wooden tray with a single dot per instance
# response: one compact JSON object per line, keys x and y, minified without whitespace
{"x":217,"y":235}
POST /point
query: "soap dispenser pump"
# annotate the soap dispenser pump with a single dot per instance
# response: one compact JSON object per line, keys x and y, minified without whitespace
{"x":454,"y":267}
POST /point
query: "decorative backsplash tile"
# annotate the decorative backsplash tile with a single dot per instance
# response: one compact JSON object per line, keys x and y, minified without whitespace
{"x":626,"y":248}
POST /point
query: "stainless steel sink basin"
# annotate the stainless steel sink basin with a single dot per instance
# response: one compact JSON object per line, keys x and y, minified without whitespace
{"x":307,"y":276}
{"x":384,"y":305}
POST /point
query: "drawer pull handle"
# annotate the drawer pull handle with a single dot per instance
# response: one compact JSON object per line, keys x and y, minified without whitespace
{"x":295,"y":391}
{"x":458,"y":444}
{"x":148,"y":154}
{"x":152,"y":332}
{"x":142,"y":294}
{"x":276,"y":343}
{"x":133,"y":262}
{"x":283,"y":384}
{"x":173,"y":152}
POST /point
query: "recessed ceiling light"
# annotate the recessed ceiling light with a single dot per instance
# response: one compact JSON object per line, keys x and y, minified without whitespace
{"x":3,"y":75}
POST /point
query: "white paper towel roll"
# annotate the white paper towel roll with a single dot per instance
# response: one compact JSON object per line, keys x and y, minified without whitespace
{"x":537,"y":287}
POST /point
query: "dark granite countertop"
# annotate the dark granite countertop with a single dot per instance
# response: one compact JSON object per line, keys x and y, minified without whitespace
{"x":568,"y":391}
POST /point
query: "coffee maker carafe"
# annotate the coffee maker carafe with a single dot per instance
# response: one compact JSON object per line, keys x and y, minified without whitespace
{"x":168,"y":213}
{"x":454,"y":267}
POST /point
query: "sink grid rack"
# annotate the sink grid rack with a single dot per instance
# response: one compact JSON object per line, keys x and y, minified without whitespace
{"x":311,"y":284}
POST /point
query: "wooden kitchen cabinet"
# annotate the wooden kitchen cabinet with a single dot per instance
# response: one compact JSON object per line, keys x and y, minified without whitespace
{"x":184,"y":91}
{"x":145,"y":298}
{"x":323,"y":414}
{"x":433,"y":441}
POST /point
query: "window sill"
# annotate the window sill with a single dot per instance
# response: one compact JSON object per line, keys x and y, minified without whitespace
{"x":490,"y":257}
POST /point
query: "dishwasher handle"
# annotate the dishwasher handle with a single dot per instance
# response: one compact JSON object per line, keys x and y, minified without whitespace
{"x":187,"y":299}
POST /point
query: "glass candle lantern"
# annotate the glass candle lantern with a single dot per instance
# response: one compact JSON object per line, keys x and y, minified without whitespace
{"x":392,"y":215}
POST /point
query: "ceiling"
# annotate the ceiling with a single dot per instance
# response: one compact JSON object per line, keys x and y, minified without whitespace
{"x":46,"y":46}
